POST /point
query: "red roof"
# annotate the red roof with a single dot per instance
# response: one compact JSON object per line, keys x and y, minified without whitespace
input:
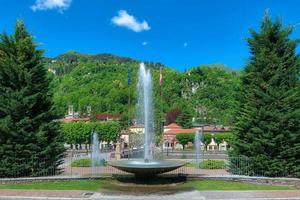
{"x":173,"y":126}
{"x":66,"y":120}
{"x":137,"y":126}
{"x":169,"y":137}
{"x":108,"y":116}
{"x":175,"y":131}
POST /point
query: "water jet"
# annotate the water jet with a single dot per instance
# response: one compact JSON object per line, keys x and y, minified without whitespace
{"x":147,"y":166}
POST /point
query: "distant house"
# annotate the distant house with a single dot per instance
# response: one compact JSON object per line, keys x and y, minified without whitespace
{"x":170,"y":133}
{"x":108,"y":117}
{"x":69,"y":119}
{"x":214,"y":128}
{"x":137,"y":128}
{"x":74,"y":116}
{"x":171,"y":130}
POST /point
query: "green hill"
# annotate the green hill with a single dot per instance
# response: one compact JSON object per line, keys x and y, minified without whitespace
{"x":101,"y":81}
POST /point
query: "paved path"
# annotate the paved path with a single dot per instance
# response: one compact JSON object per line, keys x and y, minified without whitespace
{"x":188,"y":195}
{"x":36,"y":194}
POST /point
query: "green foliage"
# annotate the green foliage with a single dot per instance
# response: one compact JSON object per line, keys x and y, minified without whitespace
{"x":184,"y":138}
{"x":212,"y":91}
{"x":212,"y":164}
{"x":268,"y":121}
{"x":30,"y":141}
{"x":101,"y":81}
{"x":80,"y":132}
{"x":209,"y":164}
{"x":227,"y":136}
{"x":185,"y":117}
{"x":86,"y":162}
{"x":77,"y":133}
{"x":107,"y":131}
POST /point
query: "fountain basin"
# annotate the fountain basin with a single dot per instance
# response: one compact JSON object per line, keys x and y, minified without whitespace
{"x":141,"y":168}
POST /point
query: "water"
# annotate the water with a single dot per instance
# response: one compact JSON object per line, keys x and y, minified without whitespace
{"x":95,"y":152}
{"x":145,"y":109}
{"x":197,"y":141}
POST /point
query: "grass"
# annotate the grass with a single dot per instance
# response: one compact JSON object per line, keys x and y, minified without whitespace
{"x":57,"y":185}
{"x":94,"y":185}
{"x":225,"y":185}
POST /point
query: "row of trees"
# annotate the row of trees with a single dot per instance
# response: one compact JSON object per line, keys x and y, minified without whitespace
{"x":80,"y":132}
{"x":185,"y":138}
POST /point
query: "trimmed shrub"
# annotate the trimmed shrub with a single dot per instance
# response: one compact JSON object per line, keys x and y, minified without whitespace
{"x":212,"y":164}
{"x":87,"y":162}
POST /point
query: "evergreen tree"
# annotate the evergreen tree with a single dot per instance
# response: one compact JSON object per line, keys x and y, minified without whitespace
{"x":185,"y":117}
{"x":268,"y":122}
{"x":31,"y":143}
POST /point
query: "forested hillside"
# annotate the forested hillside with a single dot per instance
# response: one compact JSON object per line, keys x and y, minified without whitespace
{"x":208,"y":93}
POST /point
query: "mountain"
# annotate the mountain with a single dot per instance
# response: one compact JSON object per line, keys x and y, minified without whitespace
{"x":101,"y":81}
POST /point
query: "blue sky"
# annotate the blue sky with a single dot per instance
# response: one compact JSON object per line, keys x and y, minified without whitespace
{"x":178,"y":33}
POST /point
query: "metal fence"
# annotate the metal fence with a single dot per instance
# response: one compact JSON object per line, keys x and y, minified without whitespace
{"x":80,"y":165}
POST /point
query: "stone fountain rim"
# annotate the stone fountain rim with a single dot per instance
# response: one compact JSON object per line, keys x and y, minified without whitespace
{"x":161,"y":164}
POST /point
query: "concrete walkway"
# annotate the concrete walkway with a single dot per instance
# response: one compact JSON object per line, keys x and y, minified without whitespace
{"x":189,"y":195}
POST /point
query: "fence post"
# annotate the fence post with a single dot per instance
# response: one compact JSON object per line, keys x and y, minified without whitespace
{"x":71,"y":162}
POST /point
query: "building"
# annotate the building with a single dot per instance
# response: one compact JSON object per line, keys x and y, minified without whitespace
{"x":169,"y":136}
{"x":171,"y":130}
{"x":137,"y":128}
{"x":108,"y":117}
{"x":74,"y":116}
{"x":212,"y":146}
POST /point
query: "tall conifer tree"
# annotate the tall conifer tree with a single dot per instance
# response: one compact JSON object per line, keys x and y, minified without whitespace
{"x":30,"y":140}
{"x":268,"y":123}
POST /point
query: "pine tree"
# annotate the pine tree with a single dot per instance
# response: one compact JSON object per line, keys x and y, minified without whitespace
{"x":268,"y":123}
{"x":185,"y":118}
{"x":30,"y":140}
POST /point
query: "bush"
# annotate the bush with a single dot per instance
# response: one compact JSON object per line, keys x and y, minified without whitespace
{"x":80,"y":132}
{"x":212,"y":164}
{"x":184,"y":138}
{"x":86,"y":162}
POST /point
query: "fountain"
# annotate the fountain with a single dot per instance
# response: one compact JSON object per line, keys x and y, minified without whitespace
{"x":197,"y":142}
{"x":96,"y":156}
{"x":146,"y":166}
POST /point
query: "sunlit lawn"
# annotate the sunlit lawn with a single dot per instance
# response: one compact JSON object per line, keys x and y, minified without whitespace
{"x":57,"y":185}
{"x":224,"y":185}
{"x":94,"y":185}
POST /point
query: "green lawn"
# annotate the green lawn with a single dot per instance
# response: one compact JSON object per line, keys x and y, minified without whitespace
{"x":57,"y":185}
{"x":94,"y":185}
{"x":224,"y":185}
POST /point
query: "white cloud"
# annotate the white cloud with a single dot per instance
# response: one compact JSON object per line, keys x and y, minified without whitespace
{"x":144,"y":43}
{"x":185,"y":44}
{"x":59,"y":5}
{"x":130,"y":22}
